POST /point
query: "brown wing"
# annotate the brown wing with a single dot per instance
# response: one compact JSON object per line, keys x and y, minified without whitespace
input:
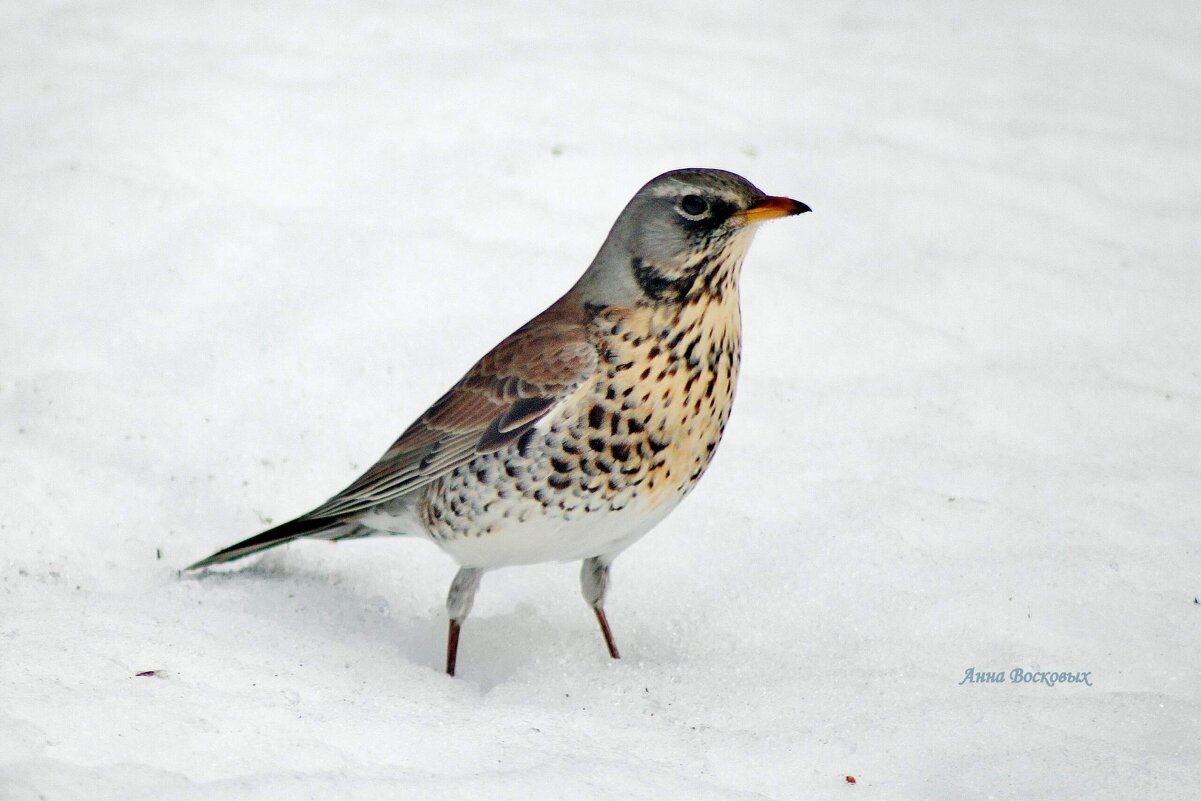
{"x":501,"y":397}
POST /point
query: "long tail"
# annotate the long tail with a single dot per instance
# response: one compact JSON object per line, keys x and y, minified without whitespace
{"x":285,"y":532}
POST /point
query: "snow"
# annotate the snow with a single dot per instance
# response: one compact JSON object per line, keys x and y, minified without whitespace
{"x":243,"y":245}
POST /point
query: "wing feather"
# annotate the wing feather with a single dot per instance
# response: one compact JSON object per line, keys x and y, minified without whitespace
{"x":516,"y":384}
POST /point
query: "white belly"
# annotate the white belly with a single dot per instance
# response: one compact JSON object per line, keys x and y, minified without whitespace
{"x":544,"y":536}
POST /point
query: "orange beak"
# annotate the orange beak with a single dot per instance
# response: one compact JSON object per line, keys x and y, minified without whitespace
{"x":769,"y":208}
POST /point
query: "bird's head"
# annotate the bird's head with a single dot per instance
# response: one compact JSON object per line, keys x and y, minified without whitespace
{"x":683,"y":233}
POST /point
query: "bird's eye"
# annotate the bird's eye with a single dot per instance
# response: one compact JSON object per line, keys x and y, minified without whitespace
{"x":694,"y":205}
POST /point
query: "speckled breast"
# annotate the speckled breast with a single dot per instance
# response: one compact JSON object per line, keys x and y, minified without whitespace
{"x":614,"y":458}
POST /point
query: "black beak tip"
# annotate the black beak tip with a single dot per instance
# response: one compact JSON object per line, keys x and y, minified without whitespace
{"x":801,"y":208}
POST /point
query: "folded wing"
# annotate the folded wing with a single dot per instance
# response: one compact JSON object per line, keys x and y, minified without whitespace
{"x":518,"y":383}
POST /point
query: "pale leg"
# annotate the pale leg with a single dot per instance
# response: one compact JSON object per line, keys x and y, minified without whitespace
{"x":458,"y":606}
{"x":594,"y":583}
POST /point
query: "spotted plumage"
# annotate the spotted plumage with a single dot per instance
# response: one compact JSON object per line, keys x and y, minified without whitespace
{"x":579,"y":432}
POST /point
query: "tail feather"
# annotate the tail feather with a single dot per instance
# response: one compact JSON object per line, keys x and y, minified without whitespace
{"x":285,"y":532}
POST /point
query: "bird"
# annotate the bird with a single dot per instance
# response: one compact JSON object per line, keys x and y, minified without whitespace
{"x":585,"y":427}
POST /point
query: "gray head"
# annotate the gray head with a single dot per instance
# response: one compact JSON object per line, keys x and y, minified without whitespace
{"x":683,"y":233}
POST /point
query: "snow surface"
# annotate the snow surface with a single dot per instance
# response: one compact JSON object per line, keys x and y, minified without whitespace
{"x":244,"y":244}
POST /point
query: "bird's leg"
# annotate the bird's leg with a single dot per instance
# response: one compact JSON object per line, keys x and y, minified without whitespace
{"x":594,"y":582}
{"x":458,"y":606}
